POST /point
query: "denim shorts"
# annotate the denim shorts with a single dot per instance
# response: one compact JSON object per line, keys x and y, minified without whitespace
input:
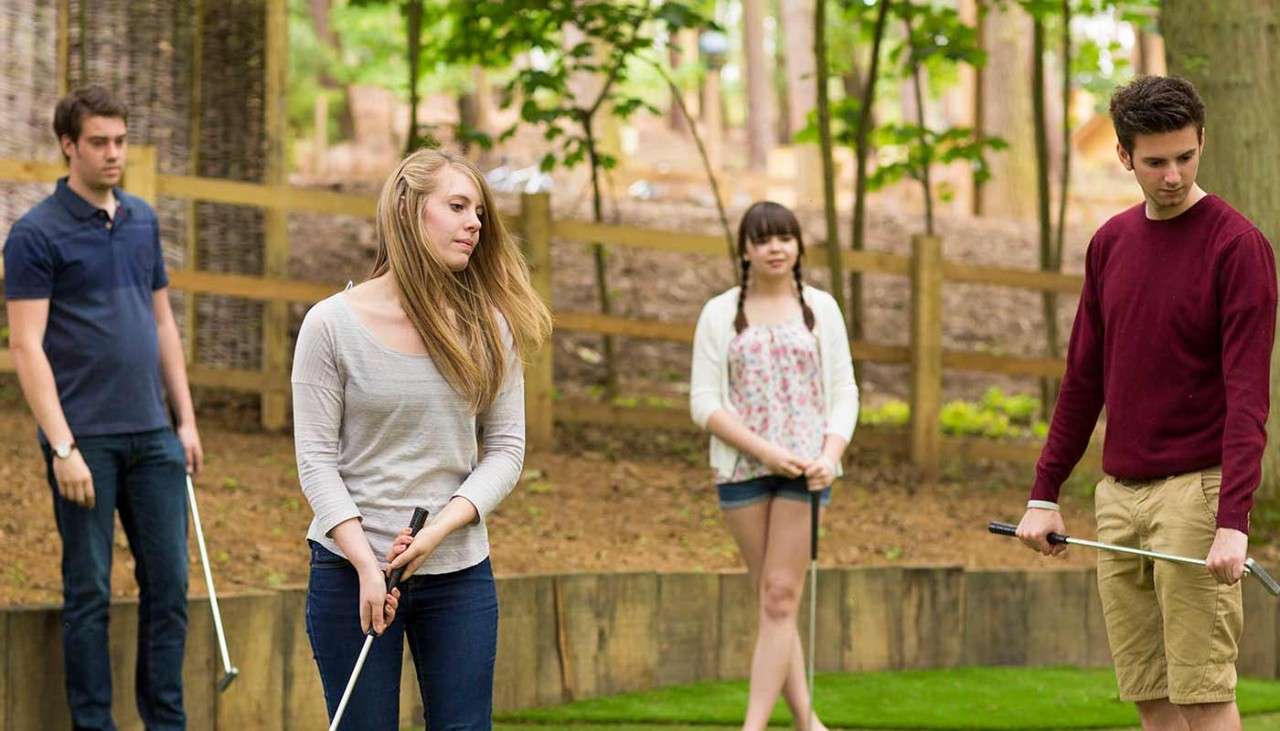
{"x":741,"y":494}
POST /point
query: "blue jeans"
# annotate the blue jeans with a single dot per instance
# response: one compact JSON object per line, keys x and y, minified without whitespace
{"x":451,"y":622}
{"x":143,"y":475}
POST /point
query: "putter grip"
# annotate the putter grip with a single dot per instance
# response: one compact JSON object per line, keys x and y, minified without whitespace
{"x":1008,"y":529}
{"x":815,"y":502}
{"x":415,"y":524}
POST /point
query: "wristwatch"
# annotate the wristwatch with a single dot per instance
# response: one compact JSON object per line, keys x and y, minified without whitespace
{"x":63,"y":450}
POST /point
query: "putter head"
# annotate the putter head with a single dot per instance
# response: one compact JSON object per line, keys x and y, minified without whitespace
{"x":226,"y":679}
{"x":1267,"y":580}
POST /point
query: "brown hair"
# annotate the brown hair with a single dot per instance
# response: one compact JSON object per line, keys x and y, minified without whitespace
{"x":765,"y":219}
{"x":457,"y":313}
{"x":1153,"y":105}
{"x":88,"y":101}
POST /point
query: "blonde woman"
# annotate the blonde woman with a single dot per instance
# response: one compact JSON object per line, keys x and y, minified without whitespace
{"x":773,"y":382}
{"x":408,"y":392}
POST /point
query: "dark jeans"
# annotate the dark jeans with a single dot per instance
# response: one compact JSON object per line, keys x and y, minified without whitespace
{"x":143,"y":476}
{"x":451,"y":621}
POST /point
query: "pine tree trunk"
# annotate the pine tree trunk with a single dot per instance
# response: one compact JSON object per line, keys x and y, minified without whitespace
{"x":413,"y":29}
{"x":863,"y":134}
{"x":1006,"y":112}
{"x":834,"y":254}
{"x":802,"y":87}
{"x":1040,"y":123}
{"x":1228,"y":49}
{"x":760,"y":105}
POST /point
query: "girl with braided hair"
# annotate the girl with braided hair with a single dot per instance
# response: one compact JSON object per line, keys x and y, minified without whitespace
{"x":773,"y":383}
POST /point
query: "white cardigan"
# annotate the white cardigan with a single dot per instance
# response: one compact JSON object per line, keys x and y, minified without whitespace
{"x":709,"y":383}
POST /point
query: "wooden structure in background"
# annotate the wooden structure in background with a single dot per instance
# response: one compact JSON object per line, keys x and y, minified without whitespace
{"x":927,"y":270}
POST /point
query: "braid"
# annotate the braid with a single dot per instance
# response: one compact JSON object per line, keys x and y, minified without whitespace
{"x":740,"y":320}
{"x":809,"y":321}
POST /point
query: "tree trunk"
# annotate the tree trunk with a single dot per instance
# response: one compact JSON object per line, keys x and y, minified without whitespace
{"x":329,"y":39}
{"x":601,"y":260}
{"x":1228,"y":50}
{"x":865,"y":124}
{"x":802,"y":88}
{"x":1064,"y":187}
{"x":413,"y":29}
{"x":917,"y":84}
{"x":979,"y":100}
{"x":675,"y":120}
{"x":781,"y":66}
{"x":1006,"y":112}
{"x":759,"y":85}
{"x":834,"y":254}
{"x":1040,"y":124}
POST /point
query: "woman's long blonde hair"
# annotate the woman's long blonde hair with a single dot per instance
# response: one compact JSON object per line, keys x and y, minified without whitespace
{"x":456,"y":313}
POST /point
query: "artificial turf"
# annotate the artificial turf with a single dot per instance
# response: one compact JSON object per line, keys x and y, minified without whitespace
{"x":955,"y":698}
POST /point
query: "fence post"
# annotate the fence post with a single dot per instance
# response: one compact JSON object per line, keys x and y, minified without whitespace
{"x":535,"y":224}
{"x":926,"y":353}
{"x":140,"y":172}
{"x":275,"y":315}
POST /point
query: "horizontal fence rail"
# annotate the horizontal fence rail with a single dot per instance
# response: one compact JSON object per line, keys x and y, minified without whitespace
{"x":924,"y":354}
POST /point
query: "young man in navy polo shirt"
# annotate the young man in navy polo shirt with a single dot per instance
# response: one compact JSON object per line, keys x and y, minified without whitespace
{"x":94,"y":342}
{"x":1173,"y":335}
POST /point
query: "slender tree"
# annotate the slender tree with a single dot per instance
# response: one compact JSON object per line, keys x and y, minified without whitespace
{"x":1040,"y":125}
{"x":1227,"y":48}
{"x":917,"y":84}
{"x":834,"y":255}
{"x":760,"y":106}
{"x":862,"y":148}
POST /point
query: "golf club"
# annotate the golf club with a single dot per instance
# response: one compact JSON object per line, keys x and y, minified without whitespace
{"x":814,"y":505}
{"x":1251,"y":567}
{"x":229,"y":671}
{"x":415,"y":525}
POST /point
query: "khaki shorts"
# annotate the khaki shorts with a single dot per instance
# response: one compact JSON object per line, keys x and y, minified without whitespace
{"x":1174,"y":630}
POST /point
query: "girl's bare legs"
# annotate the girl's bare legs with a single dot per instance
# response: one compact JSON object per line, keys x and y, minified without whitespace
{"x":749,"y":526}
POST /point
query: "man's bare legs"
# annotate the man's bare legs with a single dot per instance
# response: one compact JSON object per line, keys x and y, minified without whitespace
{"x":1161,"y":715}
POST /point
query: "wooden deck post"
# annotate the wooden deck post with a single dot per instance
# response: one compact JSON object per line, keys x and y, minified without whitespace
{"x":535,"y":223}
{"x":275,"y":315}
{"x":926,"y":353}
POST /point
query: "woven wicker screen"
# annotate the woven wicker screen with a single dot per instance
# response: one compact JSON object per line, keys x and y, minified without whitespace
{"x":151,"y":53}
{"x":29,"y":88}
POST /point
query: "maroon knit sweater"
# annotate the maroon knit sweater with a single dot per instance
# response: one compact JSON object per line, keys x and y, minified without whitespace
{"x":1173,"y":335}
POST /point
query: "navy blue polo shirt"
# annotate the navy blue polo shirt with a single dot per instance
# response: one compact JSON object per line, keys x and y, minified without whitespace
{"x":98,"y":275}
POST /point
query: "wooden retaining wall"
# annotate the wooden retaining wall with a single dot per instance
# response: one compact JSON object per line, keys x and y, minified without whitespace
{"x":575,"y":636}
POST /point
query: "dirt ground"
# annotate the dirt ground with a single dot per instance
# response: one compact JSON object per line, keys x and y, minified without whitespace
{"x":602,"y":501}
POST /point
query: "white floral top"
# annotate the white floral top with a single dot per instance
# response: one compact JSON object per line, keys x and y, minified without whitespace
{"x":775,"y":382}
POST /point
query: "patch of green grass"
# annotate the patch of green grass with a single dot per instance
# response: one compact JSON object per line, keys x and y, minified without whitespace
{"x":971,"y":698}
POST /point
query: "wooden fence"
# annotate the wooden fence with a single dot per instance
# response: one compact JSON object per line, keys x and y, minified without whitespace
{"x":925,"y":267}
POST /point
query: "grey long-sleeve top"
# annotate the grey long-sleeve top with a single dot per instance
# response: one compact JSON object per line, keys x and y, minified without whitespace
{"x":379,"y":432}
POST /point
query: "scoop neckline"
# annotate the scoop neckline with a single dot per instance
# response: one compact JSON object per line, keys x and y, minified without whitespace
{"x":369,"y":334}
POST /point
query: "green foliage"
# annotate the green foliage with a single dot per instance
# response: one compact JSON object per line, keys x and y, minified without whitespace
{"x":1020,"y":408}
{"x":890,"y":413}
{"x":906,"y":149}
{"x":996,"y":415}
{"x":964,"y":418}
{"x":613,"y":36}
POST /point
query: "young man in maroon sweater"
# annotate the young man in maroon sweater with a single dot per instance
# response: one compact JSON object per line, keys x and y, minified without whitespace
{"x":1173,"y":335}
